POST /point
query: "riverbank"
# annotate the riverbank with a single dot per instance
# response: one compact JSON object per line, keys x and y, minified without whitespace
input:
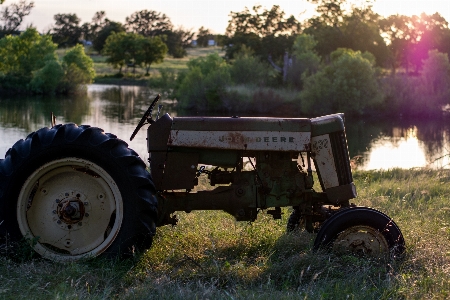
{"x":209,"y":255}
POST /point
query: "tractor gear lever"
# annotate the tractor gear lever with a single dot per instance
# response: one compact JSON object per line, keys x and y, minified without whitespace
{"x":146,"y":117}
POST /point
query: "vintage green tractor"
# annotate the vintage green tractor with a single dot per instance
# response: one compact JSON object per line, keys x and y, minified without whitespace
{"x":75,"y":192}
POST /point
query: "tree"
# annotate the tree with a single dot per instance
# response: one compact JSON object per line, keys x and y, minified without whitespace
{"x":305,"y":62}
{"x":30,"y":64}
{"x":262,"y":22}
{"x":411,"y":38}
{"x":348,"y":84}
{"x":151,"y":50}
{"x":399,"y":33}
{"x":90,"y":30}
{"x":123,"y":49}
{"x":177,"y":41}
{"x":204,"y":83}
{"x":203,"y":36}
{"x":108,"y":28}
{"x":78,"y":68}
{"x":435,"y":77}
{"x":356,"y":29}
{"x":12,"y":16}
{"x":248,"y":69}
{"x":148,"y":23}
{"x":66,"y":31}
{"x":23,"y":54}
{"x":264,"y":31}
{"x":115,"y":50}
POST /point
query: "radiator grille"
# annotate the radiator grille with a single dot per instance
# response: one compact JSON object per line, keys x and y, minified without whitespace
{"x":341,"y":157}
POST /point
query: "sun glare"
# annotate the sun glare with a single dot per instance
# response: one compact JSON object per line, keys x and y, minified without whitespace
{"x":405,"y":152}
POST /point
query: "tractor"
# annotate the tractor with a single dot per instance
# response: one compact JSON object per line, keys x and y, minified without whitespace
{"x":75,"y":192}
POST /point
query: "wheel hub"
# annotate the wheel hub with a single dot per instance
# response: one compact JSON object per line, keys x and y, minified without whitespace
{"x":363,"y":240}
{"x":71,"y":210}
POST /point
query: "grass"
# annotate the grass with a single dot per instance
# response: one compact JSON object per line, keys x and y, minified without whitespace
{"x":210,"y":256}
{"x":105,"y":71}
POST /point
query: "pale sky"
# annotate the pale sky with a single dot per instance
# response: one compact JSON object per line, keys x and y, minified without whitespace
{"x":211,"y":14}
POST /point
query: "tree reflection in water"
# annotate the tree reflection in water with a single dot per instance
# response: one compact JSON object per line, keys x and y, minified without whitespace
{"x":117,"y":109}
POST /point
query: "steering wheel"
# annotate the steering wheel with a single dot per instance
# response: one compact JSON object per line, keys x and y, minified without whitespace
{"x":145,"y":117}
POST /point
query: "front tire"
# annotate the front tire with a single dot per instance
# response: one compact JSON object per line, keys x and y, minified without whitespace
{"x":76,"y":192}
{"x":361,"y":231}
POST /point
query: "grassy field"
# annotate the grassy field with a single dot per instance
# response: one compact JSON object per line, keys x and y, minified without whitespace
{"x":103,"y":69}
{"x":210,"y":256}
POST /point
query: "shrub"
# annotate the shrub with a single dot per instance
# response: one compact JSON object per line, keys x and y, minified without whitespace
{"x":204,"y":84}
{"x":347,"y":85}
{"x":47,"y":79}
{"x":78,"y":68}
{"x":248,"y":69}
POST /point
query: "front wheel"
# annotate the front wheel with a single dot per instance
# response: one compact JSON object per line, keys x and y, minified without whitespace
{"x":75,"y":192}
{"x":361,"y":231}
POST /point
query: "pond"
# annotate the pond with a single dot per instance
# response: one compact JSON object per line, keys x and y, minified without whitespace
{"x":375,"y":144}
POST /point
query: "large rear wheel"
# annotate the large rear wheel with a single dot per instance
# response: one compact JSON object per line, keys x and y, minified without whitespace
{"x":75,"y":192}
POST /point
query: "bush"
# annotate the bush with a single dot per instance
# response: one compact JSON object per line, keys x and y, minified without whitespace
{"x":78,"y":68}
{"x":347,"y":85}
{"x":423,"y":95}
{"x":248,"y":69}
{"x":47,"y":79}
{"x":204,"y":84}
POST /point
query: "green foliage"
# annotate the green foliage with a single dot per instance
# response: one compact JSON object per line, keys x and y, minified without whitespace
{"x":424,"y":95}
{"x":25,"y":53}
{"x":47,"y":79}
{"x":165,"y":83}
{"x":100,"y":38}
{"x":356,"y":29}
{"x":265,"y":31}
{"x":134,"y":49}
{"x":148,"y":23}
{"x":30,"y":64}
{"x":306,"y":61}
{"x":12,"y":16}
{"x":436,"y":79}
{"x":79,"y":68}
{"x":203,"y":86}
{"x":178,"y":41}
{"x":150,"y":50}
{"x":66,"y":32}
{"x":248,"y":69}
{"x":347,"y":85}
{"x":116,"y":50}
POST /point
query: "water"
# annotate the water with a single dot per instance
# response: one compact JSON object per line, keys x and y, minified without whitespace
{"x":375,"y":144}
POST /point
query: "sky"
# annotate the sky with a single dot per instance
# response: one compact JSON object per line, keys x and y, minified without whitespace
{"x":211,"y":14}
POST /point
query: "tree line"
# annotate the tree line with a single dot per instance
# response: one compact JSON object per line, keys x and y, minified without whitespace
{"x":345,"y":58}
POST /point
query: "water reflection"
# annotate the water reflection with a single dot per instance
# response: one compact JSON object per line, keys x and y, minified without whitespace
{"x":117,"y":109}
{"x":399,"y":143}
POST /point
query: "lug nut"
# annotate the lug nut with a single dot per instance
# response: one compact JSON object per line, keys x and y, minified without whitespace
{"x":59,"y":221}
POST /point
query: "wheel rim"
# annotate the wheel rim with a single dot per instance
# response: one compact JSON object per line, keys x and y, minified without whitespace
{"x":361,"y":240}
{"x":70,"y":209}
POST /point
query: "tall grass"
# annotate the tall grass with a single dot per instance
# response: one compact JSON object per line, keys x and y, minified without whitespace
{"x":210,"y":256}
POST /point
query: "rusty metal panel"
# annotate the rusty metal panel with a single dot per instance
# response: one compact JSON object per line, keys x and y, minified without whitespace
{"x":242,"y":140}
{"x":322,"y":153}
{"x":242,"y":124}
{"x":158,"y":134}
{"x":180,"y":171}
